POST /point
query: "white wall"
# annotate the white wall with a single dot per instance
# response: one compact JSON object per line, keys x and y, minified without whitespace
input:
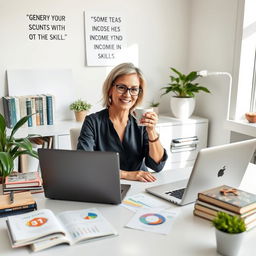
{"x":158,"y":28}
{"x":212,"y":47}
{"x":186,"y":34}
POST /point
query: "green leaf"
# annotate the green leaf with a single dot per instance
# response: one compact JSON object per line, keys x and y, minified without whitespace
{"x":228,"y":223}
{"x":2,"y":124}
{"x":204,"y":89}
{"x":22,"y":121}
{"x":177,"y":72}
{"x":80,"y":105}
{"x":191,"y":76}
{"x":32,"y":153}
{"x":6,"y":164}
{"x":10,"y":148}
{"x":2,"y":132}
{"x":182,"y":85}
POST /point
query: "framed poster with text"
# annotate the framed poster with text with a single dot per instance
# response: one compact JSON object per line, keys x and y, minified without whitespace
{"x":105,"y":39}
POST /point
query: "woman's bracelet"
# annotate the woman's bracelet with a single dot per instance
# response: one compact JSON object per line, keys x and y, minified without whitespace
{"x":154,"y":140}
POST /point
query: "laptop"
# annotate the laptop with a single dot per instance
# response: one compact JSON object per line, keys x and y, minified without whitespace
{"x":78,"y":175}
{"x":214,"y":166}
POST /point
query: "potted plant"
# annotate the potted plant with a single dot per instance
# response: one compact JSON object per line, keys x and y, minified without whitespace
{"x":11,"y":147}
{"x":80,"y":109}
{"x":155,"y":105}
{"x":183,"y":101}
{"x":229,"y":232}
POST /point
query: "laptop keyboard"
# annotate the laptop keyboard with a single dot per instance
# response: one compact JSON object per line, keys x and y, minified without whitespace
{"x":176,"y":193}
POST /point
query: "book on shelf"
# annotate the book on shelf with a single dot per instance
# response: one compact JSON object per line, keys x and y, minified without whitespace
{"x":9,"y":111}
{"x":13,"y":116}
{"x":37,"y":109}
{"x":29,"y":111}
{"x":49,"y":108}
{"x":41,"y":110}
{"x":23,"y":109}
{"x":17,"y":108}
{"x":21,"y":203}
{"x":44,"y":109}
{"x":232,"y":199}
{"x":7,"y":114}
{"x":33,"y":110}
{"x":18,"y":180}
{"x":42,"y":106}
{"x":210,"y":217}
{"x":247,"y":218}
{"x":68,"y":227}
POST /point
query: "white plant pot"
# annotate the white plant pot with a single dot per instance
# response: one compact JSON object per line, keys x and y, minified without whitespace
{"x":182,"y":108}
{"x":228,"y":244}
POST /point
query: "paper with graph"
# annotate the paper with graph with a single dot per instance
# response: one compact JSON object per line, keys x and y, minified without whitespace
{"x":153,"y":220}
{"x":145,"y":201}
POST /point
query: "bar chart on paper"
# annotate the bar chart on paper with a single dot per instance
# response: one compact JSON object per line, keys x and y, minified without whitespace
{"x":143,"y":201}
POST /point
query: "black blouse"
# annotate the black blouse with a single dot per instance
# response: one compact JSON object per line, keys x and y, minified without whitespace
{"x":99,"y":134}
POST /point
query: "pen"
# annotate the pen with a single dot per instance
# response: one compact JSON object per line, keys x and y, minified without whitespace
{"x":11,"y":197}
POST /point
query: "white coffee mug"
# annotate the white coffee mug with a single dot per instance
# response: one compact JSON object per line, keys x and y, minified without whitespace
{"x":139,"y":112}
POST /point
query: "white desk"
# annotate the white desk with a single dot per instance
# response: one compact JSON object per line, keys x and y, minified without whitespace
{"x":189,"y":235}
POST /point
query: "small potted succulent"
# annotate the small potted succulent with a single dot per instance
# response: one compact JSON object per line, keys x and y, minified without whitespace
{"x":11,"y":147}
{"x":183,"y":101}
{"x":229,"y":231}
{"x":80,"y":109}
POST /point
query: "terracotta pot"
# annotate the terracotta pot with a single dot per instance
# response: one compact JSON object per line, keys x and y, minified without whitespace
{"x":251,"y":117}
{"x":80,"y":115}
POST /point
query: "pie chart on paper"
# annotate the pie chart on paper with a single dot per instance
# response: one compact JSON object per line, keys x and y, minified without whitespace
{"x":152,"y":219}
{"x":91,"y":216}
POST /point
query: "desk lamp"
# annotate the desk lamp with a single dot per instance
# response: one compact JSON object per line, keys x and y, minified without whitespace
{"x":205,"y":73}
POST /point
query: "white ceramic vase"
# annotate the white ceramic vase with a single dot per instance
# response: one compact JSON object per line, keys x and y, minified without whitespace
{"x":228,"y":244}
{"x":182,"y":108}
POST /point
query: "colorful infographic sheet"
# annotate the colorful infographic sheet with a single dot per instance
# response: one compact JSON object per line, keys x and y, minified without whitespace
{"x":153,"y":220}
{"x":145,"y":201}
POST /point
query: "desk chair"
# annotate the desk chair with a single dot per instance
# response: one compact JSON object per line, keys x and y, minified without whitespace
{"x":74,"y":134}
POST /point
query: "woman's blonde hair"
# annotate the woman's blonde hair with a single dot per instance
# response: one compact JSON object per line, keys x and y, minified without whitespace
{"x":120,"y":70}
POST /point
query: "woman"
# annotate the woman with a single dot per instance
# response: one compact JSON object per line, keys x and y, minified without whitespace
{"x":115,"y":129}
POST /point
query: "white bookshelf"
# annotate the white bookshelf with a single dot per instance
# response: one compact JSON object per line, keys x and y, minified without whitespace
{"x":59,"y":131}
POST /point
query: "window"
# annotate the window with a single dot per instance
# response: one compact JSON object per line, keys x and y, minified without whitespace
{"x":253,"y":92}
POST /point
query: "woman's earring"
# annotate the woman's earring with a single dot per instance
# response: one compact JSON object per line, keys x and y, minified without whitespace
{"x":110,"y":100}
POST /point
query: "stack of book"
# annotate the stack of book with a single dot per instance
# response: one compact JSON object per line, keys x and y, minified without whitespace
{"x":42,"y":106}
{"x":20,"y":182}
{"x":229,"y":200}
{"x":16,"y":204}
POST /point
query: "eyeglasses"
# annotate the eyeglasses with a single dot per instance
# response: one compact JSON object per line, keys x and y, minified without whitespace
{"x":134,"y":91}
